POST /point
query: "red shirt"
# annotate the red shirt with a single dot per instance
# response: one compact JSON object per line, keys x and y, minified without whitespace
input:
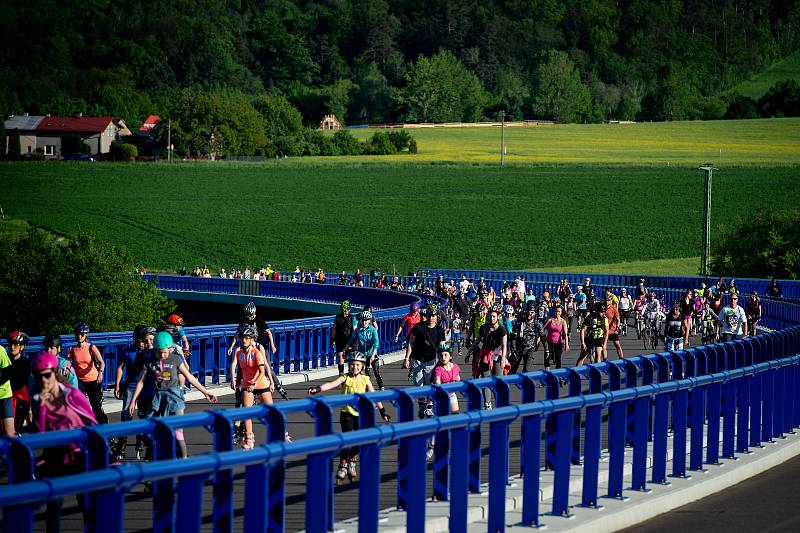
{"x":613,"y":318}
{"x":409,"y":321}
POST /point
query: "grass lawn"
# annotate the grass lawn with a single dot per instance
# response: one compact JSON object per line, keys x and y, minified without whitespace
{"x":786,"y":69}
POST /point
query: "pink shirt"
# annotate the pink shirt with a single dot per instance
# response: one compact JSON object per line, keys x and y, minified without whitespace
{"x":447,"y":376}
{"x":554,"y":331}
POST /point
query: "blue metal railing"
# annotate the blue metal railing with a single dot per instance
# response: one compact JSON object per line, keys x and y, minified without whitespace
{"x":741,"y":393}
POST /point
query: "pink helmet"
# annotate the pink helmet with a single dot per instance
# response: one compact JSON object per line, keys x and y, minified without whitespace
{"x":45,"y":361}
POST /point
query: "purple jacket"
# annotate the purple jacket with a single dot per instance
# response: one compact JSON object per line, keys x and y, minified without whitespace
{"x":75,"y":400}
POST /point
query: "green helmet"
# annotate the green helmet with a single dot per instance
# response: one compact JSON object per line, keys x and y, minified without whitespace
{"x":345,"y":305}
{"x":163,"y":340}
{"x":444,"y":348}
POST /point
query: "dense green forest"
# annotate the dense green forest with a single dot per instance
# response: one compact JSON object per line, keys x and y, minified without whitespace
{"x":374,"y":61}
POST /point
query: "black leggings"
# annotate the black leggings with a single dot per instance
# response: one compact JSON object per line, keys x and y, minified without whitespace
{"x":94,"y":391}
{"x":555,"y":349}
{"x":376,"y":369}
{"x":349,"y":422}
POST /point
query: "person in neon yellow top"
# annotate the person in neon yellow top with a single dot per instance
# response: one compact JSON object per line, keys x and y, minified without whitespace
{"x":353,"y":382}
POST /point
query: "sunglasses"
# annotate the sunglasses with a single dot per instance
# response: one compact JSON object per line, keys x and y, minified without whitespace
{"x":45,"y":375}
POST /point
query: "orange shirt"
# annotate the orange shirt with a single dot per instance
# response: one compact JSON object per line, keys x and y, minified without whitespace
{"x":613,"y":318}
{"x":249,"y":361}
{"x":83,"y":362}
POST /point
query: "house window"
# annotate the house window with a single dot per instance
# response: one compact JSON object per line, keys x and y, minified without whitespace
{"x":50,"y":149}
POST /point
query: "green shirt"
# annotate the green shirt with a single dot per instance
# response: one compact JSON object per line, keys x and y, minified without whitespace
{"x":5,"y":362}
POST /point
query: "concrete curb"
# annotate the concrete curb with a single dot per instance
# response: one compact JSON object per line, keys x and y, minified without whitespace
{"x":113,"y":405}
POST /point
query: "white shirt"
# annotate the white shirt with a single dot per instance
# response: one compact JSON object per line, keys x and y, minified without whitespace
{"x":732,"y":320}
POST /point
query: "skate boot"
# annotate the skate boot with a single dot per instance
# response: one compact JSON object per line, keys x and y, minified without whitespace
{"x":341,"y":472}
{"x":352,"y":468}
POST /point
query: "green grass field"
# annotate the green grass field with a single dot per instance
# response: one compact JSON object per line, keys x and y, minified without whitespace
{"x":786,"y":69}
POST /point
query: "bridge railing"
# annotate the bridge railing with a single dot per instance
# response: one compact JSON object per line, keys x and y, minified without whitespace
{"x":729,"y":397}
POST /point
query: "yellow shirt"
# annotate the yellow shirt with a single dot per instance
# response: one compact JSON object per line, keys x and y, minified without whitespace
{"x":354,"y":385}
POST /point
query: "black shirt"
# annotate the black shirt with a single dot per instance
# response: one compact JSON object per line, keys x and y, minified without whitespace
{"x":20,"y":372}
{"x":342,"y":329}
{"x":261,"y":327}
{"x":673,"y":327}
{"x":426,"y":340}
{"x":492,"y":340}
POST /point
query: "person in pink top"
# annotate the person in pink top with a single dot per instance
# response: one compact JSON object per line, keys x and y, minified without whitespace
{"x":58,"y":406}
{"x":557,"y":337}
{"x":446,"y":371}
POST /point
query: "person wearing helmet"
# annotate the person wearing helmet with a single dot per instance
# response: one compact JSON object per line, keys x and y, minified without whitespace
{"x":250,"y":367}
{"x":174,"y":326}
{"x":6,"y":403}
{"x":52,"y":344}
{"x":20,"y":375}
{"x":344,"y":324}
{"x":446,"y":371}
{"x":581,"y":305}
{"x":594,"y":335}
{"x":58,"y":406}
{"x":90,"y":367}
{"x":477,"y":320}
{"x":127,"y":376}
{"x":674,"y":328}
{"x":264,"y":337}
{"x":489,"y":349}
{"x":409,"y":320}
{"x":163,"y":367}
{"x":365,"y":340}
{"x":420,"y":357}
{"x":353,"y":382}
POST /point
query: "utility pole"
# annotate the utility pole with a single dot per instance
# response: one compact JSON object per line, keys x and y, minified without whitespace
{"x":169,"y":140}
{"x":502,"y":138}
{"x":706,"y":258}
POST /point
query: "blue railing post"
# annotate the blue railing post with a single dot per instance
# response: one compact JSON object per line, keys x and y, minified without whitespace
{"x":641,"y":428}
{"x":697,"y":424}
{"x":617,"y":414}
{"x":562,"y":460}
{"x":474,"y":403}
{"x":530,"y":450}
{"x":369,"y":489}
{"x":441,"y":446}
{"x":319,"y":474}
{"x":498,"y":474}
{"x":679,"y":433}
{"x":405,"y":413}
{"x":223,"y":480}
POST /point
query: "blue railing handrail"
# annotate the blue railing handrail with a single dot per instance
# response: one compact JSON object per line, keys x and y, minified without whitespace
{"x":745,"y":391}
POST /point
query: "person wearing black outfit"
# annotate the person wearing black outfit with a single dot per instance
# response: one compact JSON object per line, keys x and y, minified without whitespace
{"x":774,"y":290}
{"x":424,"y":339}
{"x":343,"y":326}
{"x":490,"y":349}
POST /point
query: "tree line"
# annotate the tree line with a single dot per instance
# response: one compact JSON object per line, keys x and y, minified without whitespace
{"x":383,"y":61}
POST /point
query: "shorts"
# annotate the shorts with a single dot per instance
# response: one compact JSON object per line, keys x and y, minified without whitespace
{"x":6,"y":408}
{"x":259,"y":392}
{"x":421,"y":371}
{"x":595,"y":343}
{"x":613,"y":337}
{"x":167,"y":402}
{"x":453,"y":401}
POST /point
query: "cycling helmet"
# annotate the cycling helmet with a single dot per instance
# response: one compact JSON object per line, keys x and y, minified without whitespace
{"x":356,"y":356}
{"x":413,"y":308}
{"x":433,"y":308}
{"x":146,"y":330}
{"x":545,"y":295}
{"x":497,"y":308}
{"x":176,"y":319}
{"x":366,"y":315}
{"x":444,"y":348}
{"x":19,"y":337}
{"x":162,"y":341}
{"x":81,"y":327}
{"x":345,"y":305}
{"x":246,"y":330}
{"x":45,"y":361}
{"x":250,"y":309}
{"x":483,"y":292}
{"x":507,"y":309}
{"x":51,"y":341}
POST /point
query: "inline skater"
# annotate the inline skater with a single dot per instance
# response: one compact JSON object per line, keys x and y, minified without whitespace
{"x":343,"y":327}
{"x":674,"y":329}
{"x":652,"y":313}
{"x":250,"y":369}
{"x":625,"y":306}
{"x":528,"y":338}
{"x":508,"y":323}
{"x":131,"y":366}
{"x":365,"y":340}
{"x":753,"y":311}
{"x":89,"y":366}
{"x":639,"y":307}
{"x":19,"y":378}
{"x":594,"y":334}
{"x":733,"y":321}
{"x":174,"y":326}
{"x":424,"y":340}
{"x":613,"y":325}
{"x":581,"y":305}
{"x":409,"y":320}
{"x":455,"y":333}
{"x":489,"y":350}
{"x":164,"y":367}
{"x":265,"y":336}
{"x":446,"y":371}
{"x":555,"y":331}
{"x":354,"y":382}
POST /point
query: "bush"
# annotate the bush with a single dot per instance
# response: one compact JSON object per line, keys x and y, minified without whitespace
{"x":380,"y":144}
{"x":741,"y":107}
{"x":412,"y":146}
{"x":782,"y":100}
{"x":761,"y":245}
{"x":48,"y":287}
{"x":121,"y":151}
{"x":347,"y":144}
{"x":400,"y":139}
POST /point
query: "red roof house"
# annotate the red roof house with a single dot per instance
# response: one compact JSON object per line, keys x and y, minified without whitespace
{"x":97,"y":132}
